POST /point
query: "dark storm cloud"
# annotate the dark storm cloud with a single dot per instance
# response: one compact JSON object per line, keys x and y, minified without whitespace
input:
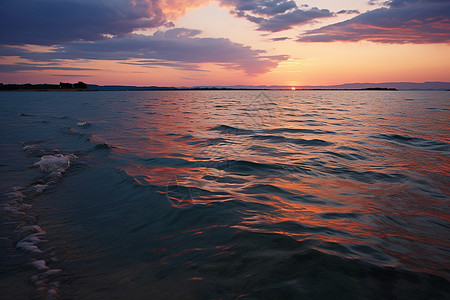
{"x":401,"y":21}
{"x":49,"y":22}
{"x":177,"y":45}
{"x":10,"y":68}
{"x":276,"y":15}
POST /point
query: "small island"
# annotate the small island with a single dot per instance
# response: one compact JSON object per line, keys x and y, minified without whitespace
{"x":62,"y":86}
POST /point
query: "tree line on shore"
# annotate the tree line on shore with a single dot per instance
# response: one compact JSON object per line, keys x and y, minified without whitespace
{"x":28,"y":86}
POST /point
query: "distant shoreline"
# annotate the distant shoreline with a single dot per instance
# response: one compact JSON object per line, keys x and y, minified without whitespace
{"x":51,"y":90}
{"x":81,"y":86}
{"x":187,"y":89}
{"x":46,"y":87}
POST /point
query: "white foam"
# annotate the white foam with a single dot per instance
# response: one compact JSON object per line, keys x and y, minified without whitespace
{"x":84,"y":124}
{"x":39,"y":188}
{"x":11,"y":208}
{"x":34,"y":228}
{"x":54,"y":164}
{"x":40,"y":265}
{"x":15,"y":207}
{"x":50,"y":272}
{"x":34,"y":237}
{"x":27,"y":246}
{"x":15,"y":195}
{"x":18,"y":204}
{"x":29,"y":243}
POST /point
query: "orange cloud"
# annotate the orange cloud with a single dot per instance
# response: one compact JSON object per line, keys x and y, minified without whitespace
{"x":173,"y":9}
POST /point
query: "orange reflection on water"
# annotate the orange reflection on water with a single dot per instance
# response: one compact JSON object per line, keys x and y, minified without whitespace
{"x":344,"y":168}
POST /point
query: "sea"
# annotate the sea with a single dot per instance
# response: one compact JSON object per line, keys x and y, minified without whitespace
{"x":225,"y":194}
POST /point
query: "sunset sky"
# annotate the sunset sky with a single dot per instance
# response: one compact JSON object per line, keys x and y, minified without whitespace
{"x":224,"y":42}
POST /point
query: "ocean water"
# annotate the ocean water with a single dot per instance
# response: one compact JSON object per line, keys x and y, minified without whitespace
{"x":225,"y":195}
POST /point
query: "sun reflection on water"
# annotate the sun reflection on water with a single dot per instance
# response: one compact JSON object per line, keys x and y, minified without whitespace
{"x":341,"y":168}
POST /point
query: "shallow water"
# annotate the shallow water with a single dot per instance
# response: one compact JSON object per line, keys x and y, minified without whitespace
{"x":225,"y":195}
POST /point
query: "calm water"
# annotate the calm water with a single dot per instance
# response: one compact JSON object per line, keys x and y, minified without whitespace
{"x":225,"y":195}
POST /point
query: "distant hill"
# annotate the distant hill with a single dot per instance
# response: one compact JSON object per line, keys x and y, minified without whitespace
{"x":388,"y":85}
{"x":396,"y":85}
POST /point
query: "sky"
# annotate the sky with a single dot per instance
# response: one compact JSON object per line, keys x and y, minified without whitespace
{"x":224,"y":42}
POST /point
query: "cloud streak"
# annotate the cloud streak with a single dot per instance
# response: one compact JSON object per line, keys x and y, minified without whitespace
{"x":402,"y":21}
{"x":175,"y":47}
{"x":10,"y":68}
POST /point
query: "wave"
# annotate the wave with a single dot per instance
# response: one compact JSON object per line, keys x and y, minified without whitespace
{"x":347,"y":156}
{"x":84,"y":137}
{"x":28,"y":237}
{"x":365,"y":176}
{"x":243,"y":167}
{"x":267,"y":190}
{"x":282,"y":139}
{"x":297,"y":130}
{"x":231,"y":130}
{"x":414,"y":141}
{"x":102,"y":146}
{"x":209,"y":142}
{"x":336,"y":216}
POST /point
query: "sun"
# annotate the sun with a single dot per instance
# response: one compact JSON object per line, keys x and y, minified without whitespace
{"x":293,"y":88}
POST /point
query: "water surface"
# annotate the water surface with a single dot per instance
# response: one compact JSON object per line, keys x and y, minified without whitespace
{"x":225,"y":195}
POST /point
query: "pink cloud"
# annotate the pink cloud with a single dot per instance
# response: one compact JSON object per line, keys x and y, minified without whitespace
{"x":403,"y":21}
